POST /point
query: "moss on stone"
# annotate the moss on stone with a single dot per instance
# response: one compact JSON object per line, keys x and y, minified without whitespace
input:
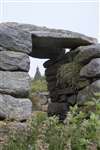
{"x":68,"y":75}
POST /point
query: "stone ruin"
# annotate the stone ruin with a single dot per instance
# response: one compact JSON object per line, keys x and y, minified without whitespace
{"x":72,"y":77}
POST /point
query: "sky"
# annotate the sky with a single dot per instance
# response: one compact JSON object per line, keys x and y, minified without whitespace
{"x":75,"y":15}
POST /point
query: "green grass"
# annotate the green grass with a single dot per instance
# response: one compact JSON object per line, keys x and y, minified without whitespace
{"x":39,"y":85}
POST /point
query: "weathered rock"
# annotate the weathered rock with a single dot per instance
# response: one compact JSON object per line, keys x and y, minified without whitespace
{"x":54,"y":96}
{"x":17,"y":37}
{"x":14,"y":108}
{"x":2,"y":48}
{"x":86,"y":53}
{"x":66,"y":58}
{"x":49,"y":63}
{"x":62,"y":98}
{"x":58,"y":109}
{"x":11,"y":61}
{"x":65,"y":91}
{"x":51,"y":71}
{"x":56,"y":40}
{"x":50,"y":78}
{"x":88,"y":92}
{"x":72,"y":99}
{"x":68,"y":75}
{"x":92,"y":69}
{"x":51,"y":85}
{"x":46,"y":53}
{"x":15,"y":83}
{"x":38,"y":100}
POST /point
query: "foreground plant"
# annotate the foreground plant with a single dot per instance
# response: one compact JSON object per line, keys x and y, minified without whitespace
{"x":80,"y":131}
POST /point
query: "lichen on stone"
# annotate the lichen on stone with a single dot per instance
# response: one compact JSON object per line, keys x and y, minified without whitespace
{"x":68,"y":76}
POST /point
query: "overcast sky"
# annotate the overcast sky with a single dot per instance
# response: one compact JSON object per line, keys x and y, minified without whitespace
{"x":76,"y":16}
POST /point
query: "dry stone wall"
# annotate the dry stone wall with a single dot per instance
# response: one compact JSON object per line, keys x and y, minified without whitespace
{"x":72,"y":77}
{"x":14,"y":78}
{"x":75,"y":78}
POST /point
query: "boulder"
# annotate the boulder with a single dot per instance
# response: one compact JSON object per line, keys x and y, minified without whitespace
{"x":72,"y":100}
{"x":47,"y":43}
{"x":58,"y":109}
{"x":15,"y":83}
{"x":92,"y":69}
{"x":10,"y":61}
{"x":14,"y":108}
{"x":86,"y":53}
{"x":88,"y":92}
{"x":15,"y":39}
{"x":38,"y":100}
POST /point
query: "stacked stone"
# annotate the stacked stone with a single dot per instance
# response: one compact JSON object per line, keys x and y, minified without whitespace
{"x":64,"y":71}
{"x":72,"y":77}
{"x":89,"y":58}
{"x":14,"y":78}
{"x":76,"y":79}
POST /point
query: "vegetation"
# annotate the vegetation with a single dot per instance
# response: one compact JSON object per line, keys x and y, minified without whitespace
{"x":39,"y":85}
{"x":80,"y":131}
{"x":68,"y":74}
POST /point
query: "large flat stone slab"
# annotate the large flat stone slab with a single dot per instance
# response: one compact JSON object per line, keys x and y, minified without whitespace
{"x":46,"y":42}
{"x":11,"y":61}
{"x":14,"y":108}
{"x":51,"y":42}
{"x":15,"y":83}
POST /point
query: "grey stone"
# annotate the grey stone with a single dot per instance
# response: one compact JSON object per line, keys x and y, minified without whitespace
{"x":15,"y":83}
{"x":11,"y":61}
{"x":92,"y":69}
{"x":88,"y":93}
{"x":15,"y":108}
{"x":56,"y":40}
{"x":49,"y":63}
{"x":58,"y":61}
{"x":59,"y":109}
{"x":86,"y":53}
{"x":17,"y":37}
{"x":46,"y":52}
{"x":51,"y":85}
{"x":50,"y":78}
{"x":72,"y":99}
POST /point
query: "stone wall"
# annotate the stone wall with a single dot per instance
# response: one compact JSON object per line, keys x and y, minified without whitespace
{"x":14,"y":79}
{"x":72,"y":77}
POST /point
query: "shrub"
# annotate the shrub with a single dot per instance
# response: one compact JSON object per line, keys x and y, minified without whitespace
{"x":80,"y":131}
{"x":39,"y":85}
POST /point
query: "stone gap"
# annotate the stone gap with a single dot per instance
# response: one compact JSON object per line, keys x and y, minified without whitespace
{"x":72,"y":77}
